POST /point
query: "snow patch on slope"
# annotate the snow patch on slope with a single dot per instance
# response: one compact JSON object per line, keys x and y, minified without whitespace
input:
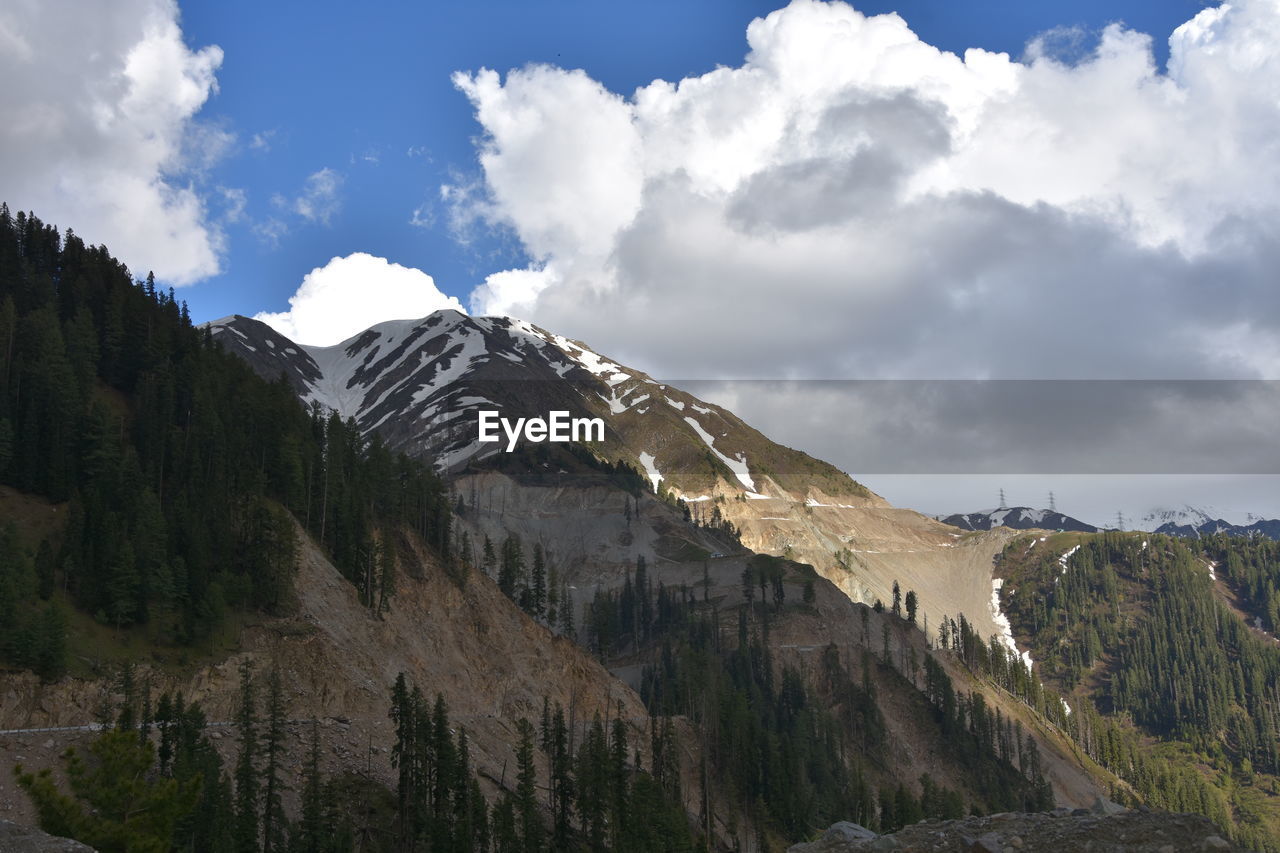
{"x":814,"y":502}
{"x":1062,"y":561}
{"x":655,"y":476}
{"x":1002,"y":622}
{"x":452,"y":363}
{"x":737,"y":465}
{"x":333,"y":389}
{"x":594,"y":363}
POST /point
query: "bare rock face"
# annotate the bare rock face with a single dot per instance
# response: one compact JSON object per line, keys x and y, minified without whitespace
{"x":20,"y":839}
{"x":1104,"y":828}
{"x":846,"y":831}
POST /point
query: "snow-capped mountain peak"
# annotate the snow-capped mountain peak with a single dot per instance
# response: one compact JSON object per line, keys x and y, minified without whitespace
{"x":1185,"y":515}
{"x":1017,"y":518}
{"x":421,"y":383}
{"x":1207,"y":521}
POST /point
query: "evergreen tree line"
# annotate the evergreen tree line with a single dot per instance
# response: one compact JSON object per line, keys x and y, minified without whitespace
{"x":714,"y":521}
{"x":794,"y":759}
{"x":596,"y":796}
{"x":179,"y":465}
{"x":1182,"y":667}
{"x":532,"y":584}
{"x":1164,"y":778}
{"x":1252,"y":569}
{"x":32,"y":636}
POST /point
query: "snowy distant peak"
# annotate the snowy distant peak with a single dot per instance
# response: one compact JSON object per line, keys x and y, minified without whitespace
{"x":1018,"y":518}
{"x":1196,"y":522}
{"x":1186,"y":515}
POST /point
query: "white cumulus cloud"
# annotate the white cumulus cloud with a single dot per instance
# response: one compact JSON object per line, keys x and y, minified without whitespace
{"x":852,"y":201}
{"x":349,"y":294}
{"x":99,"y":103}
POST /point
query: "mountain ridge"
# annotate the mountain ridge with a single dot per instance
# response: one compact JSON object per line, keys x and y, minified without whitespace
{"x":1018,"y":518}
{"x":1196,"y":523}
{"x":419,"y":383}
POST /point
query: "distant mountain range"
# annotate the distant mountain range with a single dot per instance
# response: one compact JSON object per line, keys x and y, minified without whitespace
{"x":1018,"y":518}
{"x":1194,"y":522}
{"x":1187,"y":521}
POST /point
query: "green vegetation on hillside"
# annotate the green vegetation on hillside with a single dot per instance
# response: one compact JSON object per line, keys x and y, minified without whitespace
{"x":797,"y":753}
{"x":1131,"y":628}
{"x":597,"y":795}
{"x":179,"y":467}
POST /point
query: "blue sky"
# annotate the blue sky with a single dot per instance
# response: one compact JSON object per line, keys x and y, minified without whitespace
{"x":703,"y":190}
{"x":365,"y":91}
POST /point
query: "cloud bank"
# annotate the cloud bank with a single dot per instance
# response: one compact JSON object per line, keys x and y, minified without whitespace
{"x":99,"y":102}
{"x":853,"y":202}
{"x":347,"y":295}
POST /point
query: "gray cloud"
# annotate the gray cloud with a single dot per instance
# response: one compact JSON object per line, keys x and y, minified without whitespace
{"x":851,"y":202}
{"x":1017,"y":427}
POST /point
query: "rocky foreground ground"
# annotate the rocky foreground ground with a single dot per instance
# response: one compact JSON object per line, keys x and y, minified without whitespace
{"x":22,"y":839}
{"x":1104,"y":828}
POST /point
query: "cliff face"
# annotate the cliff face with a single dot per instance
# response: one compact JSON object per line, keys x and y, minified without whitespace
{"x":861,"y":545}
{"x":493,"y":664}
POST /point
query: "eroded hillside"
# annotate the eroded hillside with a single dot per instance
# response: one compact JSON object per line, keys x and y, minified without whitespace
{"x":492,"y":663}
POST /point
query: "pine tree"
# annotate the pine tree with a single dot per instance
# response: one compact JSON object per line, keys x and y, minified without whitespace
{"x":644,"y":596}
{"x":538,"y":583}
{"x":567,"y":626}
{"x":113,"y":804}
{"x":511,"y":570}
{"x":526,"y":802}
{"x":619,"y":818}
{"x":464,"y":812}
{"x":246,"y":773}
{"x":386,"y":577}
{"x":489,"y":560}
{"x":561,"y":780}
{"x":274,"y":823}
{"x":309,"y":833}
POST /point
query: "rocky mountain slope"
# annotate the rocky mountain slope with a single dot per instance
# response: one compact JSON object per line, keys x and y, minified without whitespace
{"x":493,"y":664}
{"x":419,"y":384}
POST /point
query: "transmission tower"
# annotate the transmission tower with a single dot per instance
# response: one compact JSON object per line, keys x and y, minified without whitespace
{"x":1002,"y":503}
{"x":1119,"y":520}
{"x":1053,"y":506}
